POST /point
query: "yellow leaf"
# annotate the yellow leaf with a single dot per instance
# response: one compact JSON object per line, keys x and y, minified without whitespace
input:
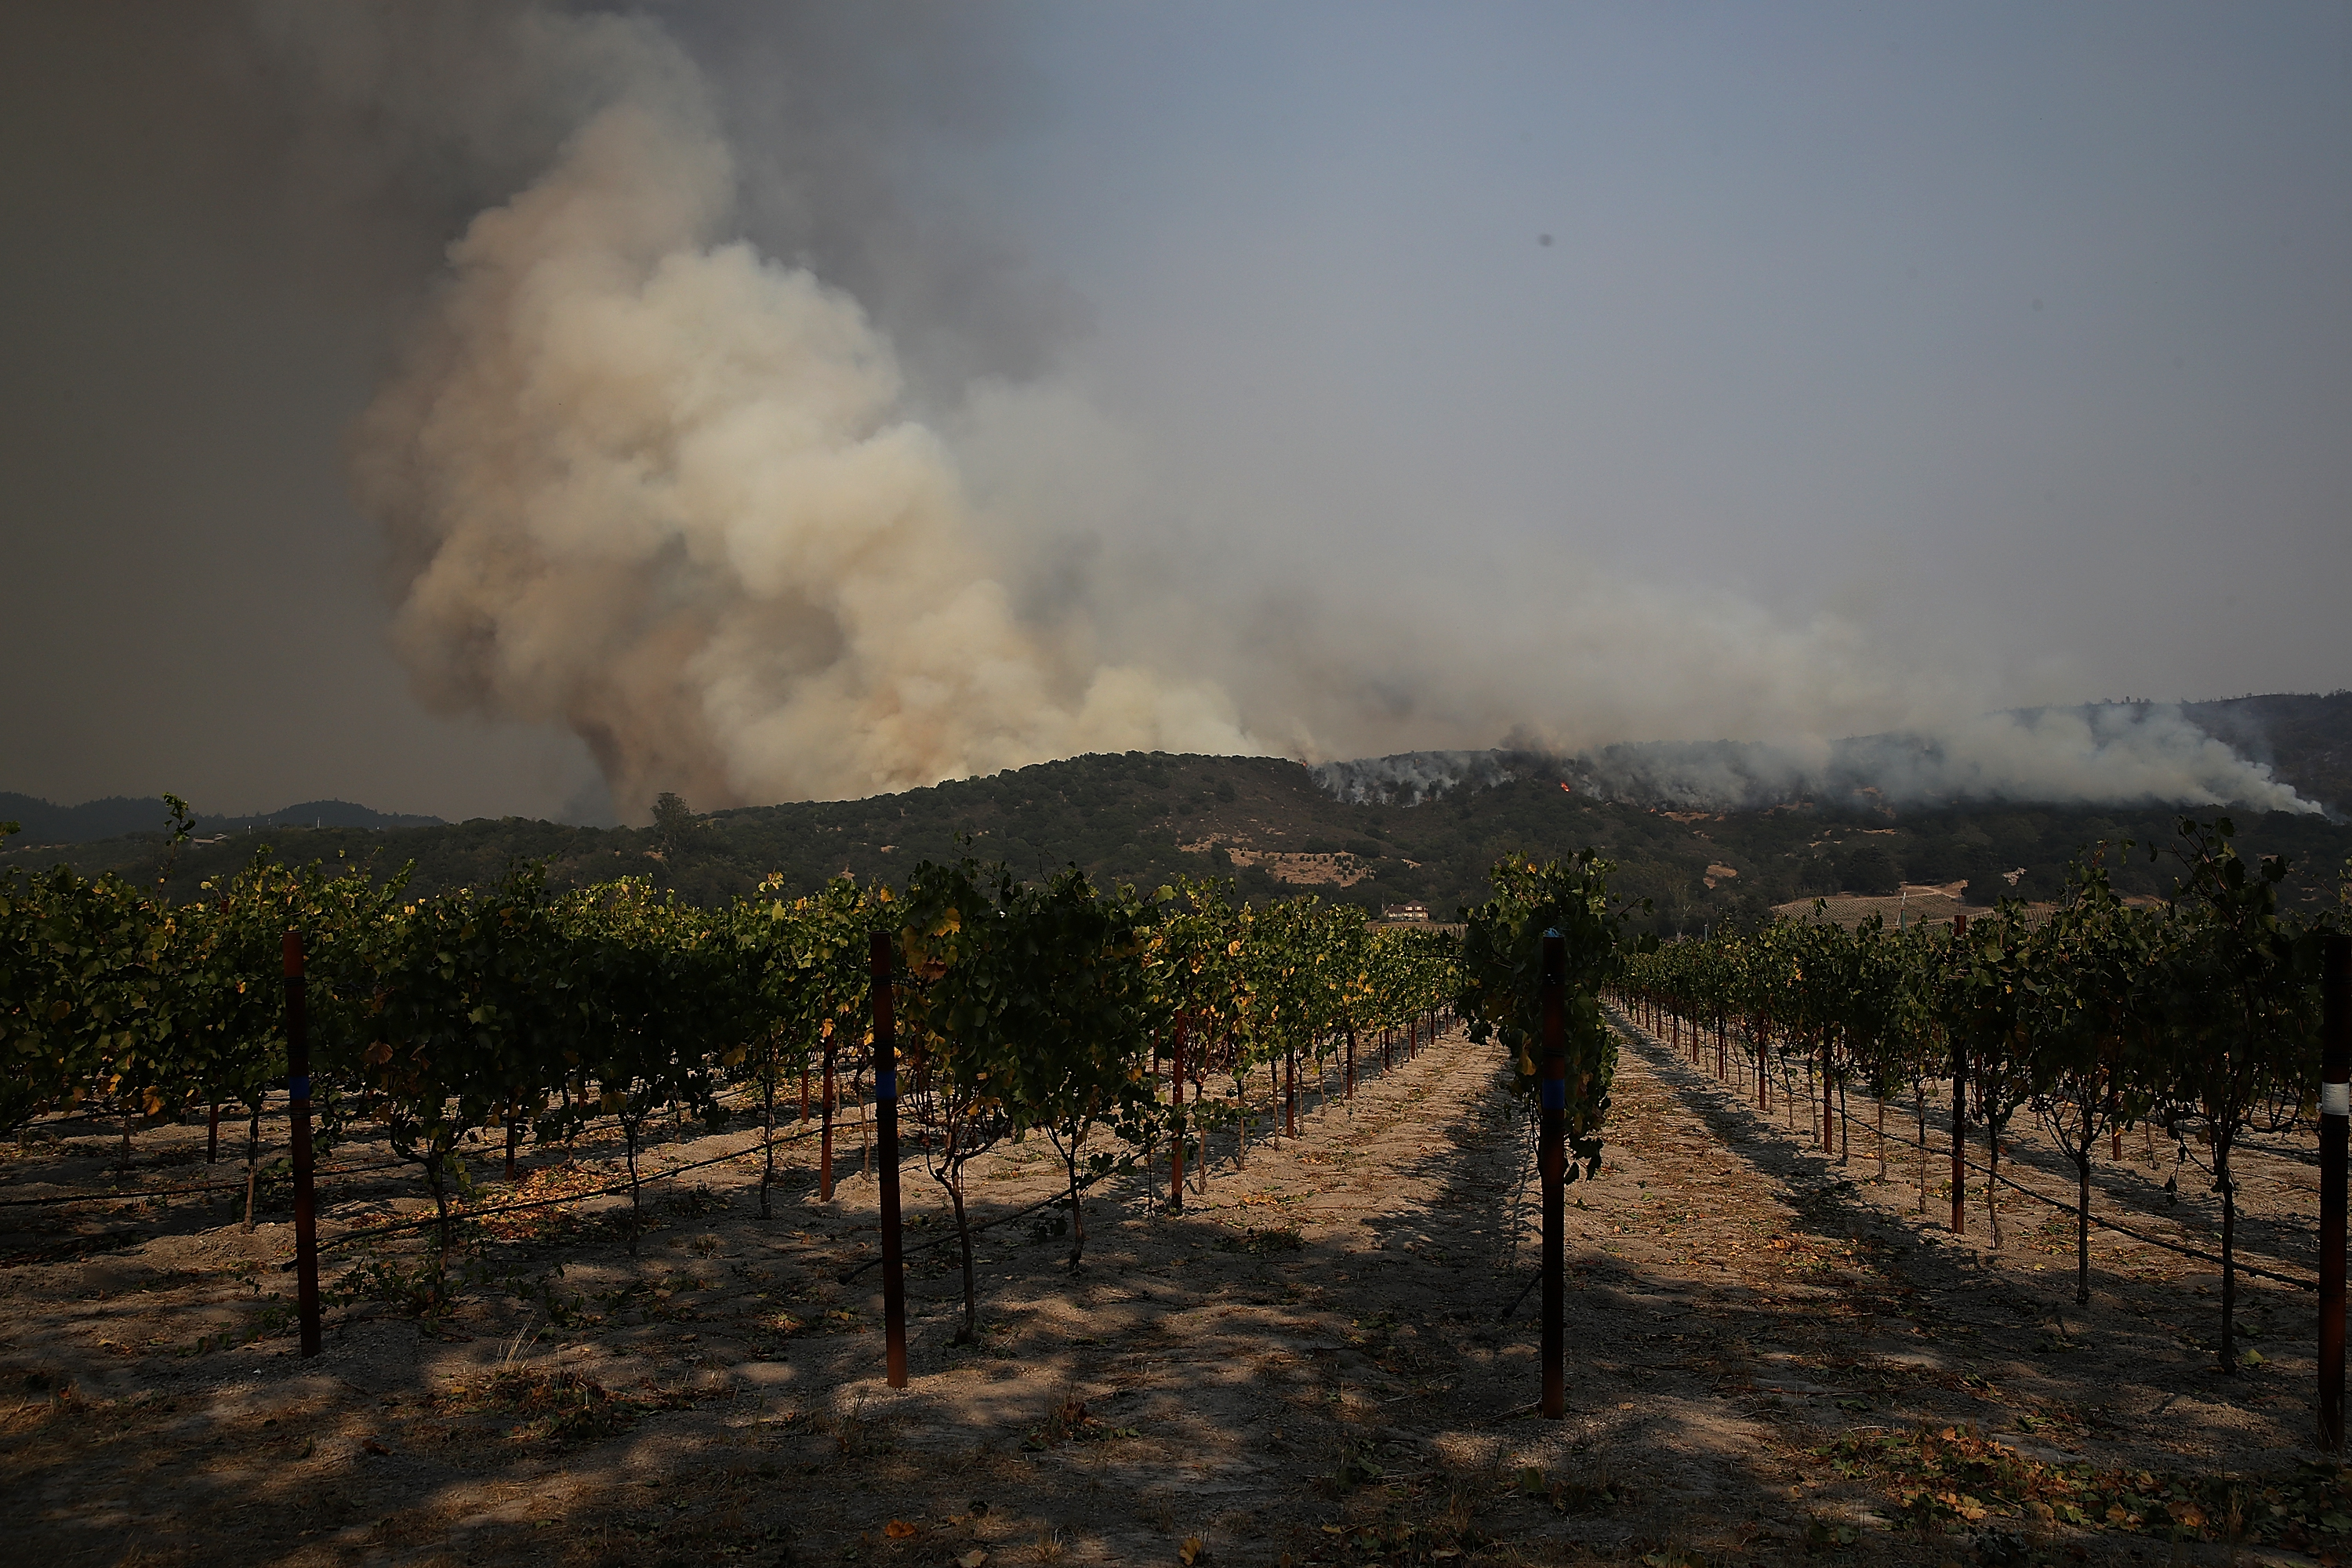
{"x":898,"y":1530}
{"x":1192,"y":1551}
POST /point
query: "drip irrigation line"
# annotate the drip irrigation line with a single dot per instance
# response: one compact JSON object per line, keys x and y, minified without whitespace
{"x":761,"y":1145}
{"x":142,"y":1196}
{"x":60,"y":1200}
{"x":2284,"y":1223}
{"x":1060,"y":1197}
{"x":2233,"y":1263}
{"x":621,"y":1186}
{"x":2238,"y":1264}
{"x":265,"y":1111}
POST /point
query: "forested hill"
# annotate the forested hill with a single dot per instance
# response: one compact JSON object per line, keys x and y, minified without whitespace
{"x":1145,"y":818}
{"x":2306,"y":739}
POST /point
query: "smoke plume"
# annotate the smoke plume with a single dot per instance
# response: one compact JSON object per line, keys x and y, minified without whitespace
{"x":646,"y":481}
{"x":2104,"y":755}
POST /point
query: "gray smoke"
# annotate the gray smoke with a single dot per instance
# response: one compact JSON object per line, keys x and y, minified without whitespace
{"x":2112,"y":755}
{"x":1411,"y":778}
{"x":710,"y":451}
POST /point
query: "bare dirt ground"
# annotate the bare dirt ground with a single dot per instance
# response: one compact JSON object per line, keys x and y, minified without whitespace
{"x":1298,"y":867}
{"x":1324,"y":1357}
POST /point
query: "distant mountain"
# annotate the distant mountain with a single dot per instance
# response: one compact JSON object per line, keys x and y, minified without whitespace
{"x":1421,"y":828}
{"x":110,"y":818}
{"x":317,"y":813}
{"x":122,"y":817}
{"x":1276,"y":829}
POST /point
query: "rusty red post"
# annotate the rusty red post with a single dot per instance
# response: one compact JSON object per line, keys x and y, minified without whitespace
{"x":1554,"y":1162}
{"x":1829,"y":1101}
{"x":2335,"y":1132}
{"x":298,"y":1095}
{"x":825,"y":1135}
{"x":1959,"y":1112}
{"x":885,"y":1138}
{"x":1176,"y":1125}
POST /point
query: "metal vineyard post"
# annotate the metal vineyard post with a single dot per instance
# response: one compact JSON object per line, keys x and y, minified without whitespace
{"x":1959,"y":1108}
{"x":2334,"y":1107}
{"x":1554,"y":1158}
{"x":1176,"y":1123}
{"x":298,"y":1093}
{"x":885,"y":1137}
{"x":824,"y":1139}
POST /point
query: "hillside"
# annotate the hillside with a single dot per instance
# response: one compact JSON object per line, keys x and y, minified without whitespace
{"x":116,"y":816}
{"x":2306,"y":740}
{"x":1145,"y":818}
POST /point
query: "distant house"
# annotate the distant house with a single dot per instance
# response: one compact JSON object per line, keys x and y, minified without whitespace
{"x":1405,"y":911}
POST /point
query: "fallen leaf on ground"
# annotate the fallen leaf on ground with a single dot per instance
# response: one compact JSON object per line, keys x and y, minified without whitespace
{"x":897,"y":1530}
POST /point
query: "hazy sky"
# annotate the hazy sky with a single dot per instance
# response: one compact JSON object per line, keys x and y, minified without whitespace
{"x":2009,"y":341}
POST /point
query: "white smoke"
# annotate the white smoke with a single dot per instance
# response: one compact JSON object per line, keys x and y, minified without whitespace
{"x":1409,"y":778}
{"x":2106,"y":755}
{"x":645,"y":481}
{"x":2110,"y":754}
{"x":649,"y":483}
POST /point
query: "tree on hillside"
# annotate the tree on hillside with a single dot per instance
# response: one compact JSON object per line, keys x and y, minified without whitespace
{"x":1870,"y":869}
{"x":672,"y":824}
{"x":1987,"y":880}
